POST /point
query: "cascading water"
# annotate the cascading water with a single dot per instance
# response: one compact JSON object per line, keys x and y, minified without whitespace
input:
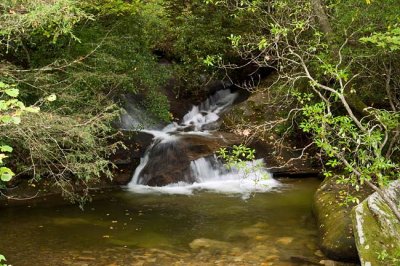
{"x":167,"y":168}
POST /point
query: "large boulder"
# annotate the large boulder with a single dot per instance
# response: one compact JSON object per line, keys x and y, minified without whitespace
{"x":377,"y":229}
{"x":336,"y":237}
{"x":168,"y":161}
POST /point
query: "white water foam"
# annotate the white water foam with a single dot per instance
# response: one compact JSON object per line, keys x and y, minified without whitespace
{"x":210,"y":174}
{"x":218,"y":179}
{"x":212,"y":180}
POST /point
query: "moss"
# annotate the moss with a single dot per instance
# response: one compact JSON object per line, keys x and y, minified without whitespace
{"x":377,"y":233}
{"x":336,"y":236}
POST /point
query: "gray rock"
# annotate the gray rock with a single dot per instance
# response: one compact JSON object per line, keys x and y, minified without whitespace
{"x":377,"y":229}
{"x":211,"y":245}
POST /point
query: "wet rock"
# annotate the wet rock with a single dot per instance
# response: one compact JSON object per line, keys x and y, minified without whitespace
{"x":271,"y":258}
{"x":261,"y":251}
{"x":285,"y":240}
{"x":318,"y":253}
{"x":127,"y":155}
{"x":261,"y":225}
{"x":377,"y":229}
{"x":335,"y":228}
{"x":261,"y":237}
{"x":236,"y":251}
{"x":197,"y":146}
{"x":251,"y":232}
{"x":210,"y":244}
{"x":304,"y":261}
{"x":336,"y":263}
{"x":169,"y":161}
{"x":134,"y":115}
{"x":86,"y":258}
{"x":238,"y":259}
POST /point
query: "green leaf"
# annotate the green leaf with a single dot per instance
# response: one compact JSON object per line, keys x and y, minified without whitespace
{"x":6,"y":174}
{"x":51,"y":97}
{"x":6,"y":148}
{"x":16,"y":120}
{"x":6,"y":119}
{"x":12,"y":92}
{"x":32,"y":109}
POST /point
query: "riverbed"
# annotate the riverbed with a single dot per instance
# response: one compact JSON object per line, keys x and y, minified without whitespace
{"x":205,"y":228}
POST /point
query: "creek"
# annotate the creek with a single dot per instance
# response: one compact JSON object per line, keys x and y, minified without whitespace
{"x":204,"y":228}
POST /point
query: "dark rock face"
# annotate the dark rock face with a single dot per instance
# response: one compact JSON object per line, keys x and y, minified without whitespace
{"x":377,"y":229}
{"x":335,"y":227}
{"x":169,"y":162}
{"x":127,"y":156}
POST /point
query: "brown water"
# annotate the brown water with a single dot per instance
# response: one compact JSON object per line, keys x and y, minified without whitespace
{"x":274,"y":228}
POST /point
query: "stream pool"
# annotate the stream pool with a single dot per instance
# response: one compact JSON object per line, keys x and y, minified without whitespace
{"x":271,"y":228}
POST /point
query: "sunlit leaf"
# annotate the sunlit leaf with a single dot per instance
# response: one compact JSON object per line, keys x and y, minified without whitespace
{"x":51,"y":97}
{"x":12,"y":92}
{"x":6,"y":174}
{"x":6,"y":148}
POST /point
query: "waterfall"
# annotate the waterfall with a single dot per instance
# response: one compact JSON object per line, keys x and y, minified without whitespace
{"x":166,"y":160}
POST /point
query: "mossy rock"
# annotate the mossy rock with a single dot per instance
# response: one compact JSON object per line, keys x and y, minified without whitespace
{"x":377,"y":229}
{"x":335,"y":228}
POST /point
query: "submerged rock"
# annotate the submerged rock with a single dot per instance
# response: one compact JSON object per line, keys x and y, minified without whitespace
{"x":335,"y":228}
{"x":377,"y":229}
{"x":211,"y":245}
{"x":336,"y":263}
{"x":286,"y":240}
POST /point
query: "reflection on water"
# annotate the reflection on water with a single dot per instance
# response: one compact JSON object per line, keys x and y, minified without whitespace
{"x":274,"y":228}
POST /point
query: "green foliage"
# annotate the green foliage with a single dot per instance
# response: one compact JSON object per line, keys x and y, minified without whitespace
{"x":95,"y":52}
{"x":389,"y":40}
{"x":238,"y":158}
{"x":70,"y":151}
{"x":198,"y":39}
{"x":112,"y":7}
{"x":157,"y":103}
{"x":3,"y":260}
{"x":359,"y":153}
{"x":58,"y":147}
{"x":114,"y":56}
{"x":11,"y":110}
{"x":347,"y":115}
{"x":23,"y":19}
{"x":385,"y":257}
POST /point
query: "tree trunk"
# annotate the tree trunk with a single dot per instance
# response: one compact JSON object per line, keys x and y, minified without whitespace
{"x":319,"y":11}
{"x":323,"y":19}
